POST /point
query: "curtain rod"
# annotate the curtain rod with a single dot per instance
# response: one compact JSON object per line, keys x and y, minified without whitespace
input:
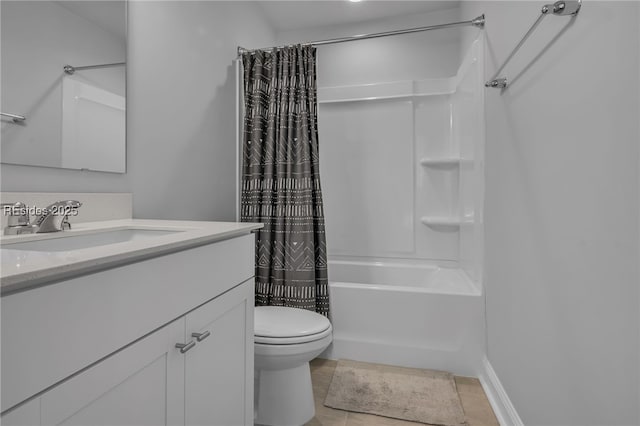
{"x":476,"y":22}
{"x":15,"y":117}
{"x":70,"y":69}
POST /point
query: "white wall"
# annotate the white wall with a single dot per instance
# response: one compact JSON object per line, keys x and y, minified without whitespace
{"x":561,"y":213}
{"x":180,"y":100}
{"x":182,"y":105}
{"x":414,"y":56}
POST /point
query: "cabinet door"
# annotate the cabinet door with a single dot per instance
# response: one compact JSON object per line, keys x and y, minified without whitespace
{"x":219,"y":370}
{"x":141,"y":384}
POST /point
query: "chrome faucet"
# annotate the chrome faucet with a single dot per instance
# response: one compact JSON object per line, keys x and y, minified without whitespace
{"x":56,"y":216}
{"x":18,"y":219}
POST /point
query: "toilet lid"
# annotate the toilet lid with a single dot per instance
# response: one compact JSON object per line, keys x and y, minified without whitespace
{"x":282,"y":322}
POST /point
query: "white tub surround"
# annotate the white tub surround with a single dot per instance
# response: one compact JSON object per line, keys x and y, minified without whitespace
{"x":403,"y":191}
{"x":23,"y":269}
{"x":403,"y":167}
{"x":404,"y":276}
{"x":406,"y":314}
{"x":167,"y":313}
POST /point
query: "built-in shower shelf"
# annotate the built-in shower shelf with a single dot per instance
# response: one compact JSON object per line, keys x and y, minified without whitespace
{"x":440,"y":161}
{"x":449,"y":221}
{"x":445,"y":221}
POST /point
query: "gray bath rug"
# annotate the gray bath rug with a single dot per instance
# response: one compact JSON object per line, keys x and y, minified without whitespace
{"x":412,"y":394}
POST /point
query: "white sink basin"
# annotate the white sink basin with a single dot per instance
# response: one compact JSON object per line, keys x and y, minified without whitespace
{"x":66,"y":242}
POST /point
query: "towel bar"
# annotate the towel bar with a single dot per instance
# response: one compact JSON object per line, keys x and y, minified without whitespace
{"x":559,"y":8}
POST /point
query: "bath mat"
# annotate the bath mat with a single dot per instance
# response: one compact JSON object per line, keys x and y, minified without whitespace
{"x":412,"y":394}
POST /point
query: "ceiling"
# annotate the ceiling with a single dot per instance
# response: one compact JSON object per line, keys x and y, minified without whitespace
{"x":293,"y":15}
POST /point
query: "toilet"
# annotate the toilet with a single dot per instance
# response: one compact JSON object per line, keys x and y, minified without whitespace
{"x":286,"y":339}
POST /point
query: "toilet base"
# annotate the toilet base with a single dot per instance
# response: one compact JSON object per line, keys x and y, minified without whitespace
{"x":284,"y":397}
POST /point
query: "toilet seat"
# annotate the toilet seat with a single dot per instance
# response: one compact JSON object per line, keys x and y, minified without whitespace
{"x":263,"y":340}
{"x":279,"y":325}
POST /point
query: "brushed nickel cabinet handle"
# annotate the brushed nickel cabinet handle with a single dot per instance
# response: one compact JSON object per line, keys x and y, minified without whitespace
{"x":201,"y":336}
{"x":185,"y":346}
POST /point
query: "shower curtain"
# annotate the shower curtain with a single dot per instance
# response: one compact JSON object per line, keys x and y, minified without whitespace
{"x":280,"y":177}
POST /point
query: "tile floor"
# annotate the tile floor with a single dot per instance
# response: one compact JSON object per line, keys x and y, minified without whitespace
{"x":476,"y":406}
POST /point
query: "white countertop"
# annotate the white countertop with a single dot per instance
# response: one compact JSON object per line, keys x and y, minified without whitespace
{"x":25,"y":269}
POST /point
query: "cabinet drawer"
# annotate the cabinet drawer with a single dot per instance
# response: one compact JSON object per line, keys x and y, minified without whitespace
{"x":53,"y":331}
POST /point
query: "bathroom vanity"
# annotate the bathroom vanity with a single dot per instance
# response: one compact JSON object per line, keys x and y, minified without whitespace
{"x":129,"y":322}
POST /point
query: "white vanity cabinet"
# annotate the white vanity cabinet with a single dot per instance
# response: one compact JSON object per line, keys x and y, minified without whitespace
{"x":219,"y":369}
{"x":141,"y":385}
{"x":69,"y":375}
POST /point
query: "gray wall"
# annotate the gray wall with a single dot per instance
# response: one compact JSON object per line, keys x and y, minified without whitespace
{"x":562,"y":213}
{"x":181,"y":119}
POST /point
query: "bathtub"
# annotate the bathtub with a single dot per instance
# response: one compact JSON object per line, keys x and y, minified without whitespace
{"x":406,"y":314}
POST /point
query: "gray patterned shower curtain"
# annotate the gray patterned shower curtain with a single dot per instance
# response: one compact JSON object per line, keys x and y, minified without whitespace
{"x":281,"y":177}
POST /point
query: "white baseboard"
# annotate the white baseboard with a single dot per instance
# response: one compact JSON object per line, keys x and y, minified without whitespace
{"x":498,"y":398}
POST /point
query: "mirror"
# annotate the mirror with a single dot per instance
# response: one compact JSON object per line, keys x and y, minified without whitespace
{"x":74,"y":119}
